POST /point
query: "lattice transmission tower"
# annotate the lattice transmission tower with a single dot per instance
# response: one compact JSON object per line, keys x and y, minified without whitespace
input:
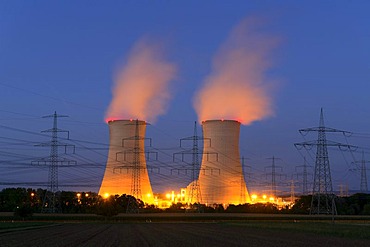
{"x":363,"y":180}
{"x":292,"y":191}
{"x":274,"y":172}
{"x":363,"y":184}
{"x":304,"y":175}
{"x":195,"y":194}
{"x":132,"y":159}
{"x":194,"y":191}
{"x":243,"y":198}
{"x":51,"y":200}
{"x":323,"y":198}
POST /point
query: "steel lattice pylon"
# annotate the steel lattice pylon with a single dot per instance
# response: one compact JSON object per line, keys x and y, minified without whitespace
{"x":304,"y":185}
{"x":363,"y":183}
{"x":135,"y":186}
{"x":53,"y":169}
{"x":274,"y":172}
{"x":322,"y":193}
{"x":304,"y":175}
{"x":51,"y":200}
{"x":195,"y":195}
{"x":242,"y":185}
{"x":135,"y":178}
{"x":362,"y":168}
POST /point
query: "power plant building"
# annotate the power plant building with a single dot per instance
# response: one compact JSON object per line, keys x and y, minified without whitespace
{"x":126,"y":171}
{"x":221,"y":177}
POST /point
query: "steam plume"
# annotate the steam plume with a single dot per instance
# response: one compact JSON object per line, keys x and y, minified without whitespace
{"x":141,"y":85}
{"x":236,"y":87}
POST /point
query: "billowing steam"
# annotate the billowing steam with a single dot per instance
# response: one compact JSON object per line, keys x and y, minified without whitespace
{"x":141,"y":85}
{"x":237,"y":88}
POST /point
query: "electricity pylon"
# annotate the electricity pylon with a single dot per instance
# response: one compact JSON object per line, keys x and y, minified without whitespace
{"x":194,"y":192}
{"x":273,"y":174}
{"x":292,"y":191}
{"x":51,"y":200}
{"x":363,"y":181}
{"x":135,"y":165}
{"x":322,"y":193}
{"x":304,"y":175}
{"x":243,"y":198}
{"x":363,"y":184}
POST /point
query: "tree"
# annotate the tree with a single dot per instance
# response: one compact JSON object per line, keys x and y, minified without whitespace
{"x":302,"y":205}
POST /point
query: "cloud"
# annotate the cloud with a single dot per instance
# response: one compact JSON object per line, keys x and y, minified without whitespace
{"x":237,"y":87}
{"x":141,"y":85}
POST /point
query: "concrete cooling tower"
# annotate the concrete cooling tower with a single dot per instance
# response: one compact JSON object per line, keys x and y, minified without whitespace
{"x":221,"y":177}
{"x":125,"y":171}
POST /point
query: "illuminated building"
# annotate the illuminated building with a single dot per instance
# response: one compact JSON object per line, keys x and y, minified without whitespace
{"x":126,"y":165}
{"x":221,"y":177}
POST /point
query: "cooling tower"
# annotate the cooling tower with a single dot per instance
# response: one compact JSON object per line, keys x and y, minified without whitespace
{"x":125,"y":171}
{"x":221,"y":177}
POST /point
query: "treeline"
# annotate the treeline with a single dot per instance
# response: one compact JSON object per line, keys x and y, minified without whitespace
{"x":24,"y":202}
{"x":357,"y":204}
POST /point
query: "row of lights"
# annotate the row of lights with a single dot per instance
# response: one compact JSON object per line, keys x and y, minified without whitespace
{"x":254,"y":198}
{"x":79,"y":195}
{"x":172,"y":196}
{"x":106,"y":195}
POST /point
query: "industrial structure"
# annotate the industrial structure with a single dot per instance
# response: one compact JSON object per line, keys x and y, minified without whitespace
{"x":192,"y":192}
{"x":126,"y":170}
{"x":51,"y":201}
{"x":363,"y":180}
{"x":323,"y":197}
{"x":221,"y":171}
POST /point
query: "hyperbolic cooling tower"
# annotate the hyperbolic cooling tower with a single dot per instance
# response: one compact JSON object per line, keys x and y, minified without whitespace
{"x":125,"y":171}
{"x":221,"y":178}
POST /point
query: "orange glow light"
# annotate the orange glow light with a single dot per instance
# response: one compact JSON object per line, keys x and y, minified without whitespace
{"x":110,"y":119}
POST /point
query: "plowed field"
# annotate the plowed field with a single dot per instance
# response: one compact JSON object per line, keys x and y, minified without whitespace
{"x":166,"y":234}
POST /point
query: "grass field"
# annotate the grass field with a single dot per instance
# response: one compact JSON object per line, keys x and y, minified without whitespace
{"x":8,"y":225}
{"x":186,"y":230}
{"x":185,"y":234}
{"x":348,"y":230}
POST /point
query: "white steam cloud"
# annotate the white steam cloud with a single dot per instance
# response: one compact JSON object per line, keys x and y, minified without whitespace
{"x":237,"y":87}
{"x":141,"y":85}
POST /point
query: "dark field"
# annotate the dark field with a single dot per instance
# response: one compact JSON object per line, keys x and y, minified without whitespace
{"x":186,"y":234}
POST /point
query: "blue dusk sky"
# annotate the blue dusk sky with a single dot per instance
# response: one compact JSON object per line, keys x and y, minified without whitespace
{"x":62,"y":56}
